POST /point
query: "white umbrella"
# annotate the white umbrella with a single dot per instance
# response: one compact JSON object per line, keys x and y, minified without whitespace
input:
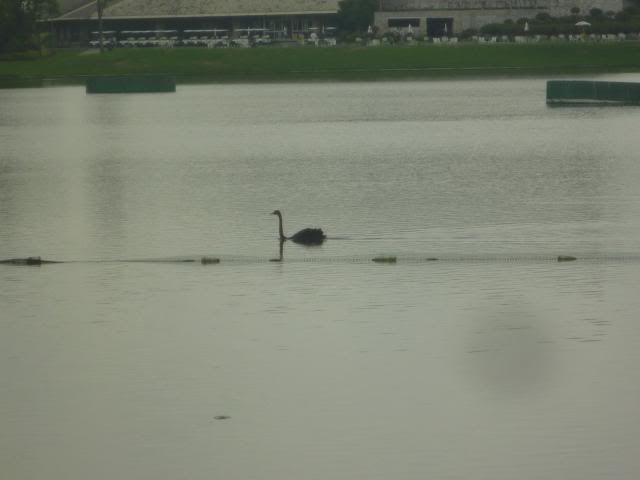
{"x":370,"y":29}
{"x":582,"y":23}
{"x":526,"y":26}
{"x":410,"y":28}
{"x":445,"y":28}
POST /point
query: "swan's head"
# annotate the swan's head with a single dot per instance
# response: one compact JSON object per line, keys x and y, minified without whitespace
{"x":276,"y":212}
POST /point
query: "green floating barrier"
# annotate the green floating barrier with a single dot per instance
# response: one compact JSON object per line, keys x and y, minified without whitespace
{"x":131,"y":84}
{"x":575,"y":92}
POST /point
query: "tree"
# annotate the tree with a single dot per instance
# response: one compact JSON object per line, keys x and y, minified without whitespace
{"x":100,"y":6}
{"x":356,"y":15}
{"x":19,"y":23}
{"x":543,"y":17}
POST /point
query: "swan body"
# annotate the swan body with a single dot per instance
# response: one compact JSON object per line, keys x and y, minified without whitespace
{"x":306,"y":236}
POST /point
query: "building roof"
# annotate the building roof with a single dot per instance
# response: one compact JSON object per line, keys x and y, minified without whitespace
{"x":196,"y":8}
{"x":65,"y":6}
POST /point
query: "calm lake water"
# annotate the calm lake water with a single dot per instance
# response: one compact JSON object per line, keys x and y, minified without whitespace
{"x":494,"y":362}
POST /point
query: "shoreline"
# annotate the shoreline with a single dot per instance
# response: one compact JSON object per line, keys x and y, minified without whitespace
{"x":267,"y":65}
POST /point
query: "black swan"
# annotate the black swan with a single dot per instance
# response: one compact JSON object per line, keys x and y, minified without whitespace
{"x":307,"y":236}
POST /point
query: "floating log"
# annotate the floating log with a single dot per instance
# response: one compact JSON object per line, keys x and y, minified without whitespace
{"x":385,"y":259}
{"x":131,"y":84}
{"x":209,"y":260}
{"x":566,"y":258}
{"x":585,"y":92}
{"x":26,"y":261}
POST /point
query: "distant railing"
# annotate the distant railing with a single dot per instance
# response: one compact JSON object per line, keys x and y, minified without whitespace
{"x":210,"y":38}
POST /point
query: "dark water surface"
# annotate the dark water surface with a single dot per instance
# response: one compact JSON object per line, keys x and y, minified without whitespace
{"x":496,"y":361}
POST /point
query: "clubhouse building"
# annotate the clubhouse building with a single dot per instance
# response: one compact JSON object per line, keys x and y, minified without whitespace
{"x":250,"y":22}
{"x":200,"y":19}
{"x":437,"y":18}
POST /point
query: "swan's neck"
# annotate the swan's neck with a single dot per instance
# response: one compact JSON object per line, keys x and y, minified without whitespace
{"x":281,"y":231}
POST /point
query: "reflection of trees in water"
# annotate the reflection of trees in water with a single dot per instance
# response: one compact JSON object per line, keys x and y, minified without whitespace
{"x":106,"y":169}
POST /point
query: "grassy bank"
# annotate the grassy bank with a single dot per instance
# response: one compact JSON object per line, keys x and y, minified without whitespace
{"x":349,"y":63}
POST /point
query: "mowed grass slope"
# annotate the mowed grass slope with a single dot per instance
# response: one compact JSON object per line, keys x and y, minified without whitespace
{"x":344,"y":63}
